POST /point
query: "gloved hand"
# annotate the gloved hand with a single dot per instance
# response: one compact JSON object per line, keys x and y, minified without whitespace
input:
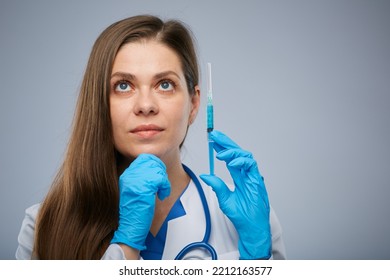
{"x":247,"y":206}
{"x":138,"y":186}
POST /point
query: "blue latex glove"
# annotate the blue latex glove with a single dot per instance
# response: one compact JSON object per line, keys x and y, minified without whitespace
{"x":138,"y":186}
{"x":247,"y":206}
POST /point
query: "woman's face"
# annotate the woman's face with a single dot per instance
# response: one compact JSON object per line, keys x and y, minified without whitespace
{"x":150,"y":105}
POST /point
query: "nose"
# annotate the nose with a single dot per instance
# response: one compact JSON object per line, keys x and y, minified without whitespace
{"x":145,"y":103}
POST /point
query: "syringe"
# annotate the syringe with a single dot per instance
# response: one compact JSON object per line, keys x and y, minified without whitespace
{"x":210,"y":118}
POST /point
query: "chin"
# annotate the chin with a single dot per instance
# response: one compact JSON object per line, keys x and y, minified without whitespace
{"x":163,"y":153}
{"x":135,"y":154}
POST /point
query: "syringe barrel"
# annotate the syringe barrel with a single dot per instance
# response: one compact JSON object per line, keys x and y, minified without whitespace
{"x":210,"y":118}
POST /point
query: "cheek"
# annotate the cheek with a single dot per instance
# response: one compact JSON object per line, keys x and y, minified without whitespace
{"x":114,"y":116}
{"x":182,"y":118}
{"x":118,"y":117}
{"x":118,"y":110}
{"x":183,"y":114}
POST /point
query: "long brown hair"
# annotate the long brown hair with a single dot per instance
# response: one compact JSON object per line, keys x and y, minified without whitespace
{"x":80,"y":213}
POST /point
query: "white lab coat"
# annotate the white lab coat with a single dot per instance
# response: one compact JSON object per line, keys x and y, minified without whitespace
{"x":181,"y":231}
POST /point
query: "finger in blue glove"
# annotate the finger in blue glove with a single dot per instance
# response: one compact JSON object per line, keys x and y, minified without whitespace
{"x":138,"y":185}
{"x":247,"y":206}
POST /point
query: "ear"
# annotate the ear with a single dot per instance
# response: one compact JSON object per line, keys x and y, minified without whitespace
{"x":195,"y":104}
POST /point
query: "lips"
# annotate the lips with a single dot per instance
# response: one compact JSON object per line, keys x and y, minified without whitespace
{"x":147,"y":130}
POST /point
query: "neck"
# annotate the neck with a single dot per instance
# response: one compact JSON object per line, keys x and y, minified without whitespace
{"x":179,"y":180}
{"x":177,"y":176}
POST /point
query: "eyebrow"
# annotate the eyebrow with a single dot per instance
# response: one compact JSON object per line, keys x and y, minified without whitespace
{"x":166,"y":73}
{"x":123,"y":75}
{"x":130,"y":77}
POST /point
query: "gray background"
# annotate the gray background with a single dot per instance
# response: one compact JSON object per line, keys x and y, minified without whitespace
{"x":303,"y":85}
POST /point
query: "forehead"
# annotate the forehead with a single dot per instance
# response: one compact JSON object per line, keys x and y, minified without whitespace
{"x":146,"y":56}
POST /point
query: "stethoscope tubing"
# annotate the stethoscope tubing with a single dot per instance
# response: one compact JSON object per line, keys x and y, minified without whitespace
{"x":204,"y":243}
{"x":196,"y":245}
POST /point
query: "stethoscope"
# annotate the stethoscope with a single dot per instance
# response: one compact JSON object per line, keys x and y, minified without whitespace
{"x":204,"y":243}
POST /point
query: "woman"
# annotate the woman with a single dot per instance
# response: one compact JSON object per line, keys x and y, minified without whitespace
{"x":122,"y":191}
